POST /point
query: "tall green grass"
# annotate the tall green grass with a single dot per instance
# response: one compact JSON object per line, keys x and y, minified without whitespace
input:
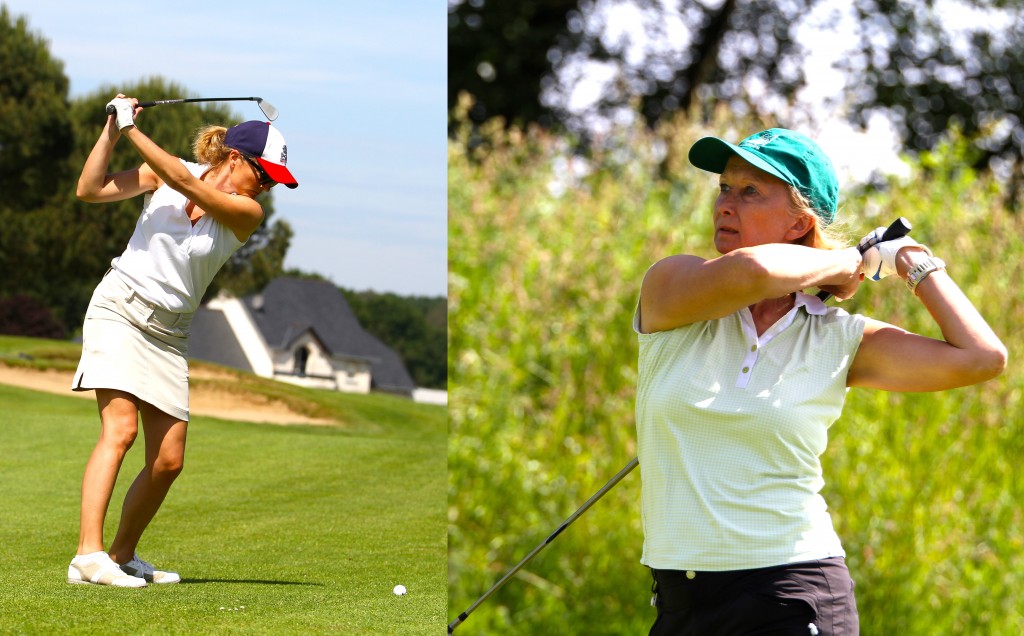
{"x":544,"y":275}
{"x":275,"y":530}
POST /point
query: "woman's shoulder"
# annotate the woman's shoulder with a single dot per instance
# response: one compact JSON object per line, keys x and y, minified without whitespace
{"x":690,"y":332}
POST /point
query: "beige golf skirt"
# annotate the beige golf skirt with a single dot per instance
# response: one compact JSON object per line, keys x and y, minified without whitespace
{"x":131,"y":345}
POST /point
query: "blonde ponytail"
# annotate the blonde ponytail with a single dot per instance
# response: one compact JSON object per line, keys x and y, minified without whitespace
{"x":208,"y":146}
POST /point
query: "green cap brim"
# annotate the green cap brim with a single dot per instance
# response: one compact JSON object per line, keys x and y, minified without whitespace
{"x":712,"y":153}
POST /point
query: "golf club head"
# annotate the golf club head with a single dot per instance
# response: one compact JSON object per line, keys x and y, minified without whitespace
{"x":268,"y":109}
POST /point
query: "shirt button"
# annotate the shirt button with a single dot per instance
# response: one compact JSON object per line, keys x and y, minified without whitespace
{"x":690,"y":574}
{"x":753,"y":348}
{"x":746,"y":369}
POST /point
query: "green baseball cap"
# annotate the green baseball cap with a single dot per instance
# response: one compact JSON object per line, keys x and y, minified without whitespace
{"x":786,"y":154}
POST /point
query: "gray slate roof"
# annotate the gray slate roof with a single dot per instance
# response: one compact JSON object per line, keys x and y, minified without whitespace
{"x":290,"y":306}
{"x":212,"y":339}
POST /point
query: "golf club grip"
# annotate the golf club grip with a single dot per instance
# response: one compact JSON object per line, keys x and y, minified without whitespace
{"x":111,"y":110}
{"x":897,"y":229}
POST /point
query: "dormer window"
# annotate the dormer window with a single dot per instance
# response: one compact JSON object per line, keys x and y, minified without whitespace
{"x":301,"y":357}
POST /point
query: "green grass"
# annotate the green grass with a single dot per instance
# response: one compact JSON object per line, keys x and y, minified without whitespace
{"x":37,"y":353}
{"x":275,"y":530}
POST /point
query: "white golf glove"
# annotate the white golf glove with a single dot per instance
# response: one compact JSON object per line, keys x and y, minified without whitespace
{"x":124,"y":110}
{"x":880,"y":261}
{"x":870,"y":239}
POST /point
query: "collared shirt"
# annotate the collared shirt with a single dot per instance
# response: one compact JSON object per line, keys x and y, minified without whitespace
{"x":169,"y":261}
{"x":731,"y":427}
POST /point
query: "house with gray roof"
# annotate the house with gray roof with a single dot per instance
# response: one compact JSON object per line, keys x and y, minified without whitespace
{"x":298,"y":331}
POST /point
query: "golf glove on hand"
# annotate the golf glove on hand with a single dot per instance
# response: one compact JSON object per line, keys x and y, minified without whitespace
{"x":880,"y":261}
{"x":124,"y":110}
{"x":871,"y":239}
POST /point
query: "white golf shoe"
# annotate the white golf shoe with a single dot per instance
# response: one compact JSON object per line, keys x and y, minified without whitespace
{"x":98,"y":569}
{"x":145,"y":570}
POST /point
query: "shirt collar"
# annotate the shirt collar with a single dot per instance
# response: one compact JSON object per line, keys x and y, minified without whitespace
{"x":812,"y":304}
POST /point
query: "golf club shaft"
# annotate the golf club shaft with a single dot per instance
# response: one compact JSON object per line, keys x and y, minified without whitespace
{"x":565,"y":524}
{"x":897,"y":229}
{"x":268,"y":109}
{"x":193,"y":100}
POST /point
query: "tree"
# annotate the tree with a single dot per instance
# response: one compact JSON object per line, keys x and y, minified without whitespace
{"x":415,"y":327}
{"x":35,"y":139}
{"x":35,"y":132}
{"x":929,"y":75}
{"x":925,"y":71}
{"x":22,"y":315}
{"x":498,"y":51}
{"x":537,"y":56}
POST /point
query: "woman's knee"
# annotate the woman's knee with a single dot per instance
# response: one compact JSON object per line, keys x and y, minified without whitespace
{"x":119,"y":415}
{"x":168,"y":466}
{"x":119,"y":433}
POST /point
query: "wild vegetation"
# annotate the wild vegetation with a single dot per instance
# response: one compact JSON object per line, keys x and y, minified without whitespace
{"x":547,"y":252}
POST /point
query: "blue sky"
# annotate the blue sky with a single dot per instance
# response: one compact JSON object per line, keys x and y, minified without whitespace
{"x":361,"y":90}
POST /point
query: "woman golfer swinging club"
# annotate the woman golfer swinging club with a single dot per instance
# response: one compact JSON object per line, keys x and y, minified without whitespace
{"x":740,"y":376}
{"x":135,"y":336}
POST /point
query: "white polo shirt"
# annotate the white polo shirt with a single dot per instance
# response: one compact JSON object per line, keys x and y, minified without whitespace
{"x":730,"y":430}
{"x":168,"y":261}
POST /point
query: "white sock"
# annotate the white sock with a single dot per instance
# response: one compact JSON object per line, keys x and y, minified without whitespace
{"x":88,"y":557}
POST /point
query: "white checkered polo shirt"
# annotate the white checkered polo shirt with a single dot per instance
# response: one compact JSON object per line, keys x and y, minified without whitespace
{"x":730,"y":430}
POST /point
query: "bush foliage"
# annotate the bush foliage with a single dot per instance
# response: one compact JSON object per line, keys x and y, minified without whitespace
{"x":415,"y":327}
{"x":547,"y":253}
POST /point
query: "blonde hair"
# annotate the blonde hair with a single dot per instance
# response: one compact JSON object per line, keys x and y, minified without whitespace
{"x":822,"y":236}
{"x":208,"y":146}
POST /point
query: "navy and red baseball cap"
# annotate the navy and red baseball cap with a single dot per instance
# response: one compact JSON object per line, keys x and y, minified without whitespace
{"x":265,"y":144}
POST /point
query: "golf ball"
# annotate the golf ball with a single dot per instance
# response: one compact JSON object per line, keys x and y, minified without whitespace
{"x":399,"y":590}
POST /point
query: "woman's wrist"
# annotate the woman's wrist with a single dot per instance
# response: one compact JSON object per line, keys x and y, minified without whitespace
{"x":909,"y":257}
{"x":923,"y":270}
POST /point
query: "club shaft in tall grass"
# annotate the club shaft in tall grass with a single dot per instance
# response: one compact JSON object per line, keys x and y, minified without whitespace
{"x":565,"y":524}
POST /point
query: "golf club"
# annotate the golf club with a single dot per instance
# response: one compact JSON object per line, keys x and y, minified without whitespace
{"x":268,"y":109}
{"x":565,"y":524}
{"x":897,"y":229}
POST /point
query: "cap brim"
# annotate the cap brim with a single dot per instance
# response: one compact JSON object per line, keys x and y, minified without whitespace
{"x":278,"y":173}
{"x":712,"y":153}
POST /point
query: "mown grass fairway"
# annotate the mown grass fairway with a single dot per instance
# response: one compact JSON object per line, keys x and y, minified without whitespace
{"x":275,"y":530}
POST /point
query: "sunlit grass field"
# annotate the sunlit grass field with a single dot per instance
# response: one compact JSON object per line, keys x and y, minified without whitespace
{"x":274,"y":529}
{"x":546,"y":257}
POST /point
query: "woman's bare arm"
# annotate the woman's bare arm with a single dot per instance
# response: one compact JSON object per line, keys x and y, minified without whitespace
{"x":683,"y":289}
{"x":96,"y":185}
{"x":893,"y":359}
